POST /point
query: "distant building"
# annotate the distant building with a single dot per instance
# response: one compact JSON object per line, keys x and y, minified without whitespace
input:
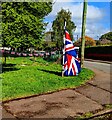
{"x":105,"y":41}
{"x":48,"y":36}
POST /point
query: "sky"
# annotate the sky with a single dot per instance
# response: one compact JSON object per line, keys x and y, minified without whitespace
{"x":98,"y":16}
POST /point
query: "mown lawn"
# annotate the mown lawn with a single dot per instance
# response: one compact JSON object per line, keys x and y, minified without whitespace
{"x":24,"y":77}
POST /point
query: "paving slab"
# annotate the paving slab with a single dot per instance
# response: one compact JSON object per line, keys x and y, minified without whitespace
{"x":102,"y":80}
{"x":63,"y":104}
{"x":5,"y":115}
{"x":99,"y":95}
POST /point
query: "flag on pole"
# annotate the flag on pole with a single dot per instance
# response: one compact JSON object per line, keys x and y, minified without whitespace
{"x":71,"y":62}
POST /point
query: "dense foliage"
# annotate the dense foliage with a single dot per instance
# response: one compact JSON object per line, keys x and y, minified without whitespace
{"x":22,"y":23}
{"x":107,"y":36}
{"x":58,"y":27}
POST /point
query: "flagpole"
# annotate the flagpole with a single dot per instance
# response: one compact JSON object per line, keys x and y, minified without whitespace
{"x":63,"y":47}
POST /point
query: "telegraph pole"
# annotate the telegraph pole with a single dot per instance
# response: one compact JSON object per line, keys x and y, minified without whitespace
{"x":83,"y":32}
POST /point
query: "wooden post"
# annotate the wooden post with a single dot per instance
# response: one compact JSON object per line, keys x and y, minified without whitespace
{"x":83,"y":32}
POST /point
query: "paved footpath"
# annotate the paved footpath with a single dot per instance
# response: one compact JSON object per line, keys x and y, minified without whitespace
{"x":71,"y":103}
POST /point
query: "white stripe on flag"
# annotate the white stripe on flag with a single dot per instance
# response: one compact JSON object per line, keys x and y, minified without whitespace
{"x":68,"y":40}
{"x":75,"y":66}
{"x":70,"y":49}
{"x":69,"y":45}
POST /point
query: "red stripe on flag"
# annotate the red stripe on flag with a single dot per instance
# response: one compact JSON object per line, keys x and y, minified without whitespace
{"x":67,"y":36}
{"x":65,"y":65}
{"x":69,"y":58}
{"x":69,"y":48}
{"x":73,"y":69}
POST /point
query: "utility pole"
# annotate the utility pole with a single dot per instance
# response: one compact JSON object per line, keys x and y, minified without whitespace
{"x":83,"y":32}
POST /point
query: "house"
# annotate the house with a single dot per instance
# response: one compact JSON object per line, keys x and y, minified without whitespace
{"x":105,"y":41}
{"x":48,"y":36}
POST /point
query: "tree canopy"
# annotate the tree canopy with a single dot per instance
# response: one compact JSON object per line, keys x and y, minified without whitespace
{"x":22,"y":23}
{"x":58,"y":26}
{"x":107,"y":36}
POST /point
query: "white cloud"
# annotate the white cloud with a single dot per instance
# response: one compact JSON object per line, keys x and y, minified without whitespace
{"x":94,"y":30}
{"x":94,"y":14}
{"x":76,"y":10}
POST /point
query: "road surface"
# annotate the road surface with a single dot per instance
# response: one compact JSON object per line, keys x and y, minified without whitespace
{"x":105,"y":67}
{"x":103,"y":73}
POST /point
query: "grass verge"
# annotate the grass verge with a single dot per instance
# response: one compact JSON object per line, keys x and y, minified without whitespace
{"x":24,"y":77}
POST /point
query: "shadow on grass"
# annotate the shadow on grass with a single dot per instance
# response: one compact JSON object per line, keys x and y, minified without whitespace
{"x":8,"y":65}
{"x":51,"y":72}
{"x":8,"y":68}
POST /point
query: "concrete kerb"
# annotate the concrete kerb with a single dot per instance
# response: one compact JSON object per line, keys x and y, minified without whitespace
{"x":101,"y":113}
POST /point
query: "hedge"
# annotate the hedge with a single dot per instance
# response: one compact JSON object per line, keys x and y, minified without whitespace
{"x":98,"y":53}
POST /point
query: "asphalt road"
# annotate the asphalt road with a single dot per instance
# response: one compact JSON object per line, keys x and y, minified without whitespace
{"x":105,"y":67}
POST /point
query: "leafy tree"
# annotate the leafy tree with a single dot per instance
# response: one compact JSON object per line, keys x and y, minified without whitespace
{"x":88,"y":42}
{"x":58,"y":27}
{"x":22,"y":23}
{"x":107,"y":36}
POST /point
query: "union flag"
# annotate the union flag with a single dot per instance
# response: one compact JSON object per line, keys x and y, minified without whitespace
{"x":71,"y":61}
